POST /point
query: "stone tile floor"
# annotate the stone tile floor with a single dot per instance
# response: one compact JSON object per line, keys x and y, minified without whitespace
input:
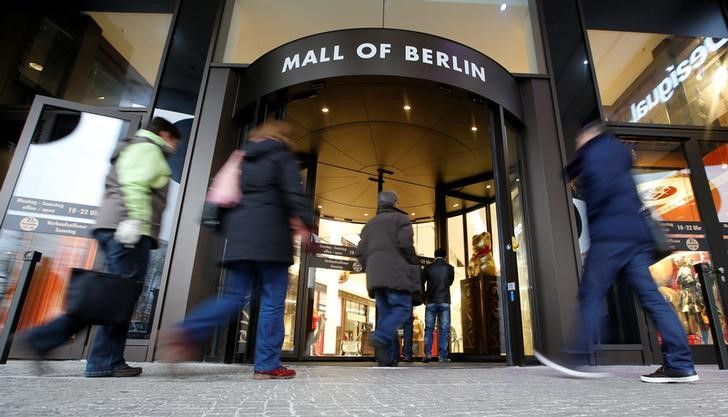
{"x":452,"y":389}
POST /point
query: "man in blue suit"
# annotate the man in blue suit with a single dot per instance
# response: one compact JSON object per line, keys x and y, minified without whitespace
{"x":621,"y":246}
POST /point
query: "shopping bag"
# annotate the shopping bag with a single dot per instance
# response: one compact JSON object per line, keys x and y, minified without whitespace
{"x":225,"y":188}
{"x":101,"y":298}
{"x":663,"y":245}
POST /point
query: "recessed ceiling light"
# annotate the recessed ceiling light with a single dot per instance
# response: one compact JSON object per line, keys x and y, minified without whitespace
{"x":474,"y":128}
{"x":455,"y":205}
{"x":36,"y":66}
{"x":320,"y":206}
{"x":407,"y":107}
{"x":518,"y":179}
{"x":366,"y":214}
{"x":100,"y":97}
{"x":586,"y":62}
{"x":503,"y":7}
{"x":487,"y":186}
{"x":325,"y":109}
{"x":412,"y":214}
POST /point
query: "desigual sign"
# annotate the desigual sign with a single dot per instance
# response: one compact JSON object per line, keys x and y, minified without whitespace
{"x":381,"y":52}
{"x":678,"y":73}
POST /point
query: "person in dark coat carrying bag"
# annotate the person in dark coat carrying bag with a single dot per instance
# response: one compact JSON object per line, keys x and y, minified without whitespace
{"x":259,"y":234}
{"x":126,"y":228}
{"x":622,"y":245}
{"x":386,"y":251}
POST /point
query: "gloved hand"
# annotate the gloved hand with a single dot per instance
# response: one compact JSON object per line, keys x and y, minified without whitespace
{"x":129,"y":231}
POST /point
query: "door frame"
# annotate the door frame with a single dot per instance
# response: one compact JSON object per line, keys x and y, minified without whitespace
{"x":78,"y":347}
{"x":690,"y":139}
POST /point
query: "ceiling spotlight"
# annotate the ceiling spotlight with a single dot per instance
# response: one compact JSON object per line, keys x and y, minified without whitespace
{"x":487,"y":186}
{"x":407,"y":107}
{"x":586,"y":62}
{"x":100,"y":97}
{"x":35,"y":66}
{"x":320,"y":207}
{"x":455,"y":205}
{"x":412,"y":214}
{"x":503,"y":7}
{"x":366,"y":214}
{"x":474,"y":128}
{"x":325,"y":109}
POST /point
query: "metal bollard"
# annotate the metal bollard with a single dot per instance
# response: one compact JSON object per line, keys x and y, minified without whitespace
{"x":31,"y":258}
{"x":705,"y":274}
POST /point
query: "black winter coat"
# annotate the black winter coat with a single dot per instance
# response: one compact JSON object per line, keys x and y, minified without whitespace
{"x":258,"y":229}
{"x":387,"y":253}
{"x":438,"y":277}
{"x":602,"y":168}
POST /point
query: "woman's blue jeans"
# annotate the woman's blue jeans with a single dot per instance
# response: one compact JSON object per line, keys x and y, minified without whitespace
{"x":273,"y":277}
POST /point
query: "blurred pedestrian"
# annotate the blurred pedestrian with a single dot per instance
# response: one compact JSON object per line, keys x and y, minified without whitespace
{"x":387,"y":253}
{"x":437,"y":277}
{"x":259,"y":237}
{"x":621,"y":246}
{"x":126,"y":229}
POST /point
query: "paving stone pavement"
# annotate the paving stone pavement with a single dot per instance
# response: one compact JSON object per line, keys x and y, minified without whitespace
{"x":452,"y":389}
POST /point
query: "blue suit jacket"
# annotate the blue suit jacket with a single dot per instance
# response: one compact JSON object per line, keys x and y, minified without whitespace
{"x":602,"y":168}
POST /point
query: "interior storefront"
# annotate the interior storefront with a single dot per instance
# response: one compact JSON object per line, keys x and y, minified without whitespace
{"x":432,"y":145}
{"x":465,"y":109}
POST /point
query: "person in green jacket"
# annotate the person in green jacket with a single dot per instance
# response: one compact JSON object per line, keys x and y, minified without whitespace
{"x":126,"y":228}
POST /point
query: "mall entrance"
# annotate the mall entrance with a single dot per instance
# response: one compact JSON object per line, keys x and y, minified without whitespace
{"x":434,"y":146}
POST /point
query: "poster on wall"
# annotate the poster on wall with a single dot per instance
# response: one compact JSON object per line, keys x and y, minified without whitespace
{"x":61,"y":183}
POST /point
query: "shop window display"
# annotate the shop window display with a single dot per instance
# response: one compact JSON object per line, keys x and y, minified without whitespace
{"x":663,"y":181}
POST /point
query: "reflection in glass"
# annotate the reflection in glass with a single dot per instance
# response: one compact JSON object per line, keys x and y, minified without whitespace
{"x":663,"y":79}
{"x":92,"y":57}
{"x":663,"y":181}
{"x":715,"y":160}
{"x":520,"y":239}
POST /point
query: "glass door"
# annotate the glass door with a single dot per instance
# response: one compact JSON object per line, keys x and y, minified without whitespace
{"x":49,"y":201}
{"x":681,"y":182}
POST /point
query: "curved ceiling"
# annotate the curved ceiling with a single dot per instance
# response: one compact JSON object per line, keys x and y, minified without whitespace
{"x":367,"y":127}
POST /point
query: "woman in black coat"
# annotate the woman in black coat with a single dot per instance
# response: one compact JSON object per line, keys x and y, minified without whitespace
{"x":259,"y":235}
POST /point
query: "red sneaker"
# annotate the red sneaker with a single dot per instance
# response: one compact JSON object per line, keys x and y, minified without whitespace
{"x":280,"y":373}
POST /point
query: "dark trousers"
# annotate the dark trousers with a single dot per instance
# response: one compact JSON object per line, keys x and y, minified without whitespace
{"x":606,"y":262}
{"x":107,"y":352}
{"x":393,"y":308}
{"x":407,"y":330}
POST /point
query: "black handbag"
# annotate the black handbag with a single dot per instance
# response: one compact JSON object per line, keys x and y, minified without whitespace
{"x":211,"y":216}
{"x":663,"y":245}
{"x":101,"y":298}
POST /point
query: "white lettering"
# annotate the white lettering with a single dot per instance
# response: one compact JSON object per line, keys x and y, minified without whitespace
{"x":466,"y":66}
{"x":442,"y":59}
{"x":683,"y":71}
{"x":477,"y":71}
{"x":337,"y":55}
{"x":698,"y":56}
{"x":712,"y":46}
{"x":427,"y":56}
{"x":290,"y":63}
{"x":410,"y":53}
{"x":666,"y":88}
{"x":384,"y":49}
{"x":372,"y":50}
{"x":310,"y":59}
{"x":323,"y":57}
{"x":677,"y":74}
{"x":455,"y":64}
